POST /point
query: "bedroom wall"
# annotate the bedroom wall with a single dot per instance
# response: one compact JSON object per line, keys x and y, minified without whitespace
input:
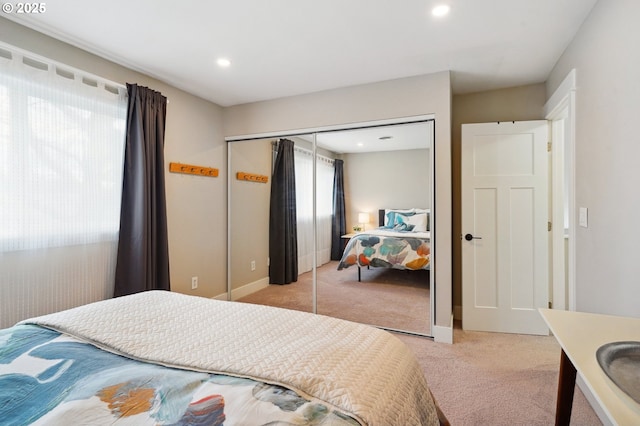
{"x":426,"y":94}
{"x":378,"y":180}
{"x":196,"y":206}
{"x":605,"y":55}
{"x":249,"y":212}
{"x":512,"y":104}
{"x":249,"y":206}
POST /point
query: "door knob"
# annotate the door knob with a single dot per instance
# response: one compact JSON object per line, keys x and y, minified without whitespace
{"x":470,"y":237}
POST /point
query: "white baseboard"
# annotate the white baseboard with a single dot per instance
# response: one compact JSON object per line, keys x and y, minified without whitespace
{"x":593,"y":401}
{"x":245,"y":290}
{"x":442,"y":334}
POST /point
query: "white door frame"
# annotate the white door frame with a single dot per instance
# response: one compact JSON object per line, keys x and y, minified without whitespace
{"x":560,"y":108}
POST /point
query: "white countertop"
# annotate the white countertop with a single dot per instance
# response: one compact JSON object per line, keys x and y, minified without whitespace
{"x":580,"y":335}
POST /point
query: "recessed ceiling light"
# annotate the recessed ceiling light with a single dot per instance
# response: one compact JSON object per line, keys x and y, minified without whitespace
{"x":360,"y":144}
{"x":440,"y":10}
{"x":223,"y":62}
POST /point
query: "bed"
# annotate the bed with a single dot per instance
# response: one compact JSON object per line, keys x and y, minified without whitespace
{"x":164,"y":358}
{"x":402,"y":241}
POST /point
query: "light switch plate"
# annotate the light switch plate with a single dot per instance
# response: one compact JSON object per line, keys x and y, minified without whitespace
{"x":582,"y":217}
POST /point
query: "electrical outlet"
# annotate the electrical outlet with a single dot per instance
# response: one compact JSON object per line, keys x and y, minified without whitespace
{"x":194,"y":283}
{"x":253,"y":265}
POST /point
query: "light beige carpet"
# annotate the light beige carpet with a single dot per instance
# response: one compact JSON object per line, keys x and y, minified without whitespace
{"x":397,"y":299}
{"x":496,"y":378}
{"x":482,"y":379}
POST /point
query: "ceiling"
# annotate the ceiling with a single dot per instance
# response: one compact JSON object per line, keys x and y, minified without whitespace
{"x":377,"y":139}
{"x":280,"y":48}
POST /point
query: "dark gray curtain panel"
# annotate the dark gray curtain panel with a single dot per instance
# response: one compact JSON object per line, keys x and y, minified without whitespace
{"x":283,"y":234}
{"x":143,"y":249}
{"x":339,"y":219}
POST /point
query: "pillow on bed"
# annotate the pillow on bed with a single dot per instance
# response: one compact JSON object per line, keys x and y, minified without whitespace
{"x":390,"y":216}
{"x":428,"y":213}
{"x":417,"y":222}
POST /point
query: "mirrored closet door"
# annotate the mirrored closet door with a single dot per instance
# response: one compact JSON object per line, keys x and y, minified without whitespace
{"x":362,"y":201}
{"x":271,"y":222}
{"x":382,"y":276}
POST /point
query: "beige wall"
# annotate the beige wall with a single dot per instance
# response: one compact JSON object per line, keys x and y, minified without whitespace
{"x":196,"y":206}
{"x":606,"y":57}
{"x":427,"y":94}
{"x":514,"y":104}
{"x":249,"y":206}
{"x":378,"y":180}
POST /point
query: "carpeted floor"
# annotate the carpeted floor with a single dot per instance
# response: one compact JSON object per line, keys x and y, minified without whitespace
{"x":482,"y":379}
{"x":391,"y":298}
{"x":496,"y":378}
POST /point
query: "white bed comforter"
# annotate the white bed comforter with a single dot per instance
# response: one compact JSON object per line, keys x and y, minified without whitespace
{"x":360,"y":370}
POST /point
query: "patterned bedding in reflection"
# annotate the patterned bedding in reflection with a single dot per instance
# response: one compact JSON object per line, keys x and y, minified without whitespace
{"x":388,"y":249}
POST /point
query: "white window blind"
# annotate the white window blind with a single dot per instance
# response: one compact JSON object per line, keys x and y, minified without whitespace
{"x":304,"y":208}
{"x":62,"y":135}
{"x":61,"y":155}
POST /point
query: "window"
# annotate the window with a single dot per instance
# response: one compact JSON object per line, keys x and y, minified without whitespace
{"x":61,"y":155}
{"x":62,"y":137}
{"x":304,"y":208}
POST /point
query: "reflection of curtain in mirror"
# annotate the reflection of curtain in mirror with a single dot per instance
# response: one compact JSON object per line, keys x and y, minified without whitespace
{"x":304,"y":197}
{"x":324,"y":207}
{"x":338,"y":221}
{"x":304,"y":210}
{"x":283,"y":251}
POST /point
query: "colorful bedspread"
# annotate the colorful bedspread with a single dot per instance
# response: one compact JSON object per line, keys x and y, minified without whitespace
{"x":50,"y":378}
{"x":388,"y":250}
{"x":328,"y":366}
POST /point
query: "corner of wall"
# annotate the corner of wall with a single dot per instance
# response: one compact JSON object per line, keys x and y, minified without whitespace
{"x":457,"y":312}
{"x":442,"y":334}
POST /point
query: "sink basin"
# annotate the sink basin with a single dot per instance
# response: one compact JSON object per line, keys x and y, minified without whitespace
{"x":621,"y":363}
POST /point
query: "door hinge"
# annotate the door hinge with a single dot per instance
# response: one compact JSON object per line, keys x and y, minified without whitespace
{"x":549,"y":226}
{"x":548,"y":146}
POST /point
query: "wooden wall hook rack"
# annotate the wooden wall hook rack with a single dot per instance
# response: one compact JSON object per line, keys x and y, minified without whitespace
{"x":251,"y":177}
{"x":193,"y":170}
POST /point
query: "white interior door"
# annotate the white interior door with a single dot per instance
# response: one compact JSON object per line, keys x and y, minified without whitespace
{"x":504,"y":226}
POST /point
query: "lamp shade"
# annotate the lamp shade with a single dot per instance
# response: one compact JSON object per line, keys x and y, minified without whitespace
{"x":363,"y":217}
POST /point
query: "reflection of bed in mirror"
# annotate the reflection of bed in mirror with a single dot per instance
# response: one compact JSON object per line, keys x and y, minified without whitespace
{"x":402,"y":241}
{"x":370,"y":158}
